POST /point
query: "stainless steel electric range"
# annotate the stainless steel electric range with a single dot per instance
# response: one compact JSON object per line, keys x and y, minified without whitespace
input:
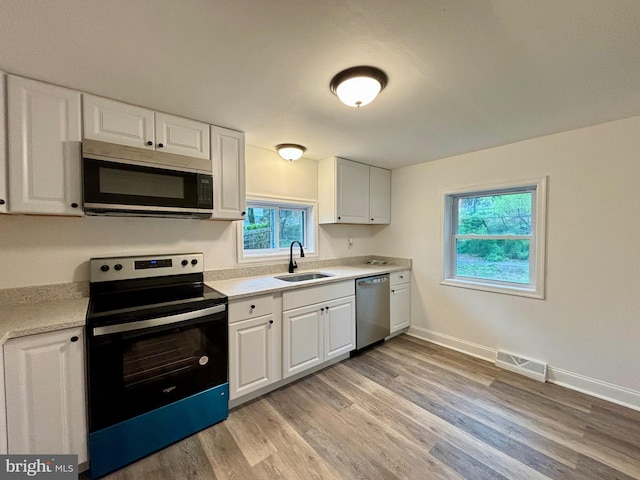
{"x":157,"y":355}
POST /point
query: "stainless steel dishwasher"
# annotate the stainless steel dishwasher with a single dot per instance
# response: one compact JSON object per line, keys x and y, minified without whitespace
{"x":372,"y":310}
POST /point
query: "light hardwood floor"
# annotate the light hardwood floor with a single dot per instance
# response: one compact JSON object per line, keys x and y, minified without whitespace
{"x":409,"y":409}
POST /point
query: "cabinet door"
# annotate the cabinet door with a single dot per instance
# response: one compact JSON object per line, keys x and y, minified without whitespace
{"x":115,"y":122}
{"x":379,"y":195}
{"x":352,"y":191}
{"x":400,"y":306}
{"x":182,"y":136}
{"x":339,"y":327}
{"x":45,"y":388}
{"x":254,"y":358}
{"x":227,"y":157}
{"x":302,"y":339}
{"x":4,"y":197}
{"x":44,"y":148}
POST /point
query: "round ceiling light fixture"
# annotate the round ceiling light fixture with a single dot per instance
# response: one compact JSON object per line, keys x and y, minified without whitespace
{"x":290,"y":151}
{"x":358,"y":86}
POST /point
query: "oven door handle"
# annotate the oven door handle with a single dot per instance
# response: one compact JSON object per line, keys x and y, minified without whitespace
{"x":157,"y":322}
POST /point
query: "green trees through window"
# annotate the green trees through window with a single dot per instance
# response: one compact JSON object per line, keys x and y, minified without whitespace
{"x":493,"y":236}
{"x":273,"y":227}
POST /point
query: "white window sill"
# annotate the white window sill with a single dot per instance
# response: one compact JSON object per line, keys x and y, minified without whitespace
{"x":524,"y":291}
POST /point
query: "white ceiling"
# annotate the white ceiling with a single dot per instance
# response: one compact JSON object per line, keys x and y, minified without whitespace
{"x":463,"y":75}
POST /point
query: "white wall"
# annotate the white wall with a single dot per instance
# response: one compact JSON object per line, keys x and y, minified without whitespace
{"x":49,"y":250}
{"x":40,"y":250}
{"x":270,"y":175}
{"x":589,"y":323}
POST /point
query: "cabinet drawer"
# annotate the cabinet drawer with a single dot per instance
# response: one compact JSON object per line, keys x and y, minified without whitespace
{"x":404,"y":276}
{"x":309,"y":296}
{"x":251,"y":307}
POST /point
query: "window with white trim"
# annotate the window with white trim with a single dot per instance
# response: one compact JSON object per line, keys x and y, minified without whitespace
{"x":494,"y":238}
{"x":270,"y":225}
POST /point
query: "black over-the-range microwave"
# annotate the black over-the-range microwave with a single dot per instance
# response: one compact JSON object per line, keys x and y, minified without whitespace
{"x":128,"y":181}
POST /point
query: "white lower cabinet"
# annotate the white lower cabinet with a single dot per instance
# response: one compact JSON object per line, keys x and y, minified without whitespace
{"x":46,"y":394}
{"x":400,"y":304}
{"x":4,"y":192}
{"x":273,"y":338}
{"x":254,"y":345}
{"x":301,"y":339}
{"x":320,"y":331}
{"x":253,"y":355}
{"x":339,"y":327}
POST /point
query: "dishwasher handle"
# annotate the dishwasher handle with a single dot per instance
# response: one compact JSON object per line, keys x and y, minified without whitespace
{"x":366,"y":282}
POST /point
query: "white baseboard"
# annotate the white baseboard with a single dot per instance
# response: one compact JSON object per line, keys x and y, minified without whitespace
{"x":463,"y":346}
{"x":590,"y":386}
{"x":596,"y":388}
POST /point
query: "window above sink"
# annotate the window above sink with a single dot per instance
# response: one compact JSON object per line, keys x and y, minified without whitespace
{"x":271,"y":224}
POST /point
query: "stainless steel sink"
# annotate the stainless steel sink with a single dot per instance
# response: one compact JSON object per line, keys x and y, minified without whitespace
{"x":299,"y":277}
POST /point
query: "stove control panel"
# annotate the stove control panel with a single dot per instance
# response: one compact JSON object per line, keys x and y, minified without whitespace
{"x":125,"y":268}
{"x":153,"y":263}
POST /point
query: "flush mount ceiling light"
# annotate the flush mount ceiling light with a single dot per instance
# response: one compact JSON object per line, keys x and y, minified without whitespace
{"x":290,"y":151}
{"x":358,"y":86}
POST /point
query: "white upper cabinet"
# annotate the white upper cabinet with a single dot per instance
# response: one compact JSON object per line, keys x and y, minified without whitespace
{"x":116,"y":122}
{"x":352,"y":192}
{"x":4,"y":197}
{"x":182,"y":136}
{"x":44,"y":148}
{"x":379,"y":195}
{"x":352,"y":185}
{"x":227,"y":157}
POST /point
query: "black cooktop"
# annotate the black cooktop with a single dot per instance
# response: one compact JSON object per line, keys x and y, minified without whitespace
{"x":128,"y":300}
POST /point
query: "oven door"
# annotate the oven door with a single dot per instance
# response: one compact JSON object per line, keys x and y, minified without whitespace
{"x":114,"y":186}
{"x":138,"y":366}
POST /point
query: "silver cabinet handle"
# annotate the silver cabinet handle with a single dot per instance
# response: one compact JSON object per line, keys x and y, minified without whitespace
{"x":157,"y":322}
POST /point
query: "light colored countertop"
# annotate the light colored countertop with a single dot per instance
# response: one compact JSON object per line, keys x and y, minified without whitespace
{"x":19,"y":320}
{"x":29,"y":319}
{"x":248,"y":286}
